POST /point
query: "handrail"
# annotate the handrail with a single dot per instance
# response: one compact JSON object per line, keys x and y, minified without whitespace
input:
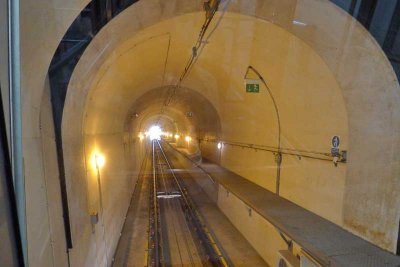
{"x":285,"y":151}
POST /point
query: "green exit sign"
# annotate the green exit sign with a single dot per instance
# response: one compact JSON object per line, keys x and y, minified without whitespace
{"x":252,"y":88}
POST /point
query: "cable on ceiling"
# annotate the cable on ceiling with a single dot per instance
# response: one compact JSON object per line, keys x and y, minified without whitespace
{"x":210,"y":7}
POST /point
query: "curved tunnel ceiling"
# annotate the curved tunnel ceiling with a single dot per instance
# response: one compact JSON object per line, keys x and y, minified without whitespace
{"x":313,"y":74}
{"x":291,"y":67}
{"x":189,"y":110}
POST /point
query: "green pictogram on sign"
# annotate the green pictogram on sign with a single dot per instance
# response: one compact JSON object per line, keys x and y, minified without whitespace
{"x":252,"y":88}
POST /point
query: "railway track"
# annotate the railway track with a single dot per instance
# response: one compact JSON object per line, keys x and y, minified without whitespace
{"x":178,"y":235}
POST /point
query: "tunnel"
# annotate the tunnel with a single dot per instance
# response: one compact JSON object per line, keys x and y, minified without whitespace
{"x":202,"y":133}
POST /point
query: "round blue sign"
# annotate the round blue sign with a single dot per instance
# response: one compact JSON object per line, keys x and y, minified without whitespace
{"x":335,"y":141}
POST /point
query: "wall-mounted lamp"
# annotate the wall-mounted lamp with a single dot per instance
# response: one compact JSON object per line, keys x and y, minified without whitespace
{"x":188,"y":139}
{"x":141,"y":136}
{"x":98,"y":161}
{"x":220,"y":145}
{"x":177,"y":136}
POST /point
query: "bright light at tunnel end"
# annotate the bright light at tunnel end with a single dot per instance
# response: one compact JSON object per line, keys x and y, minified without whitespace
{"x":155,"y":132}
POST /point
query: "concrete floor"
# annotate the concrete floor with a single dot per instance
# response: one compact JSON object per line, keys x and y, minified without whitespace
{"x":132,"y":246}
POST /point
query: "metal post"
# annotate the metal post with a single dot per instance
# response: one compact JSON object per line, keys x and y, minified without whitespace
{"x":16,"y":118}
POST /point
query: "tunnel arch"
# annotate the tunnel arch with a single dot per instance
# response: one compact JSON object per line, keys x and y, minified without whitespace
{"x":356,"y":88}
{"x":202,"y":112}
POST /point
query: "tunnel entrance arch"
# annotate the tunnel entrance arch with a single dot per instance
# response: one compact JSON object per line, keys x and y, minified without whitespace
{"x":349,"y":81}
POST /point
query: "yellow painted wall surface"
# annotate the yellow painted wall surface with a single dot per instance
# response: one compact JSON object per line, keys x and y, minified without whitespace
{"x":324,"y":77}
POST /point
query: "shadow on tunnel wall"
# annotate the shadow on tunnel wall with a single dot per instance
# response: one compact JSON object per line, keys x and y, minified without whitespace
{"x":11,"y":251}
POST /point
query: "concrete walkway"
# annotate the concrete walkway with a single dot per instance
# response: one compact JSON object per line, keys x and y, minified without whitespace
{"x":236,"y":249}
{"x":327,"y":242}
{"x":132,"y":246}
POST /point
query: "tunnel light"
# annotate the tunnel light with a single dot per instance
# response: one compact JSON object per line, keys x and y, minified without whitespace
{"x":155,"y":132}
{"x":188,"y":139}
{"x":98,"y":161}
{"x":141,"y":136}
{"x":177,"y":136}
{"x":219,"y":145}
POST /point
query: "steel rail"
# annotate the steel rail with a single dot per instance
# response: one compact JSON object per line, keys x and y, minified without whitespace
{"x":154,"y":232}
{"x":174,"y":208}
{"x":214,"y":253}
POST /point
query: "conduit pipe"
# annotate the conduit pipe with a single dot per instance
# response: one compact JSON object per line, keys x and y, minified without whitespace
{"x":278,"y":155}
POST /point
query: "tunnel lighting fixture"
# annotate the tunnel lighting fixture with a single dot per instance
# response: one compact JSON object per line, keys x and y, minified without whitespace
{"x":219,"y":145}
{"x":98,"y":161}
{"x":155,"y":132}
{"x":141,"y":136}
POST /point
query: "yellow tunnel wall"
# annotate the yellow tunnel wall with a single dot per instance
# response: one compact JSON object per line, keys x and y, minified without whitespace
{"x":341,"y":71}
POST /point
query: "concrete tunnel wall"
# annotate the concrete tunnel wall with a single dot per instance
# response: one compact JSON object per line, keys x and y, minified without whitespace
{"x":335,"y":49}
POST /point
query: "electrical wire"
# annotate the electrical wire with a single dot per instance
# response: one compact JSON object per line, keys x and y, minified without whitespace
{"x":209,"y":35}
{"x":210,"y":13}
